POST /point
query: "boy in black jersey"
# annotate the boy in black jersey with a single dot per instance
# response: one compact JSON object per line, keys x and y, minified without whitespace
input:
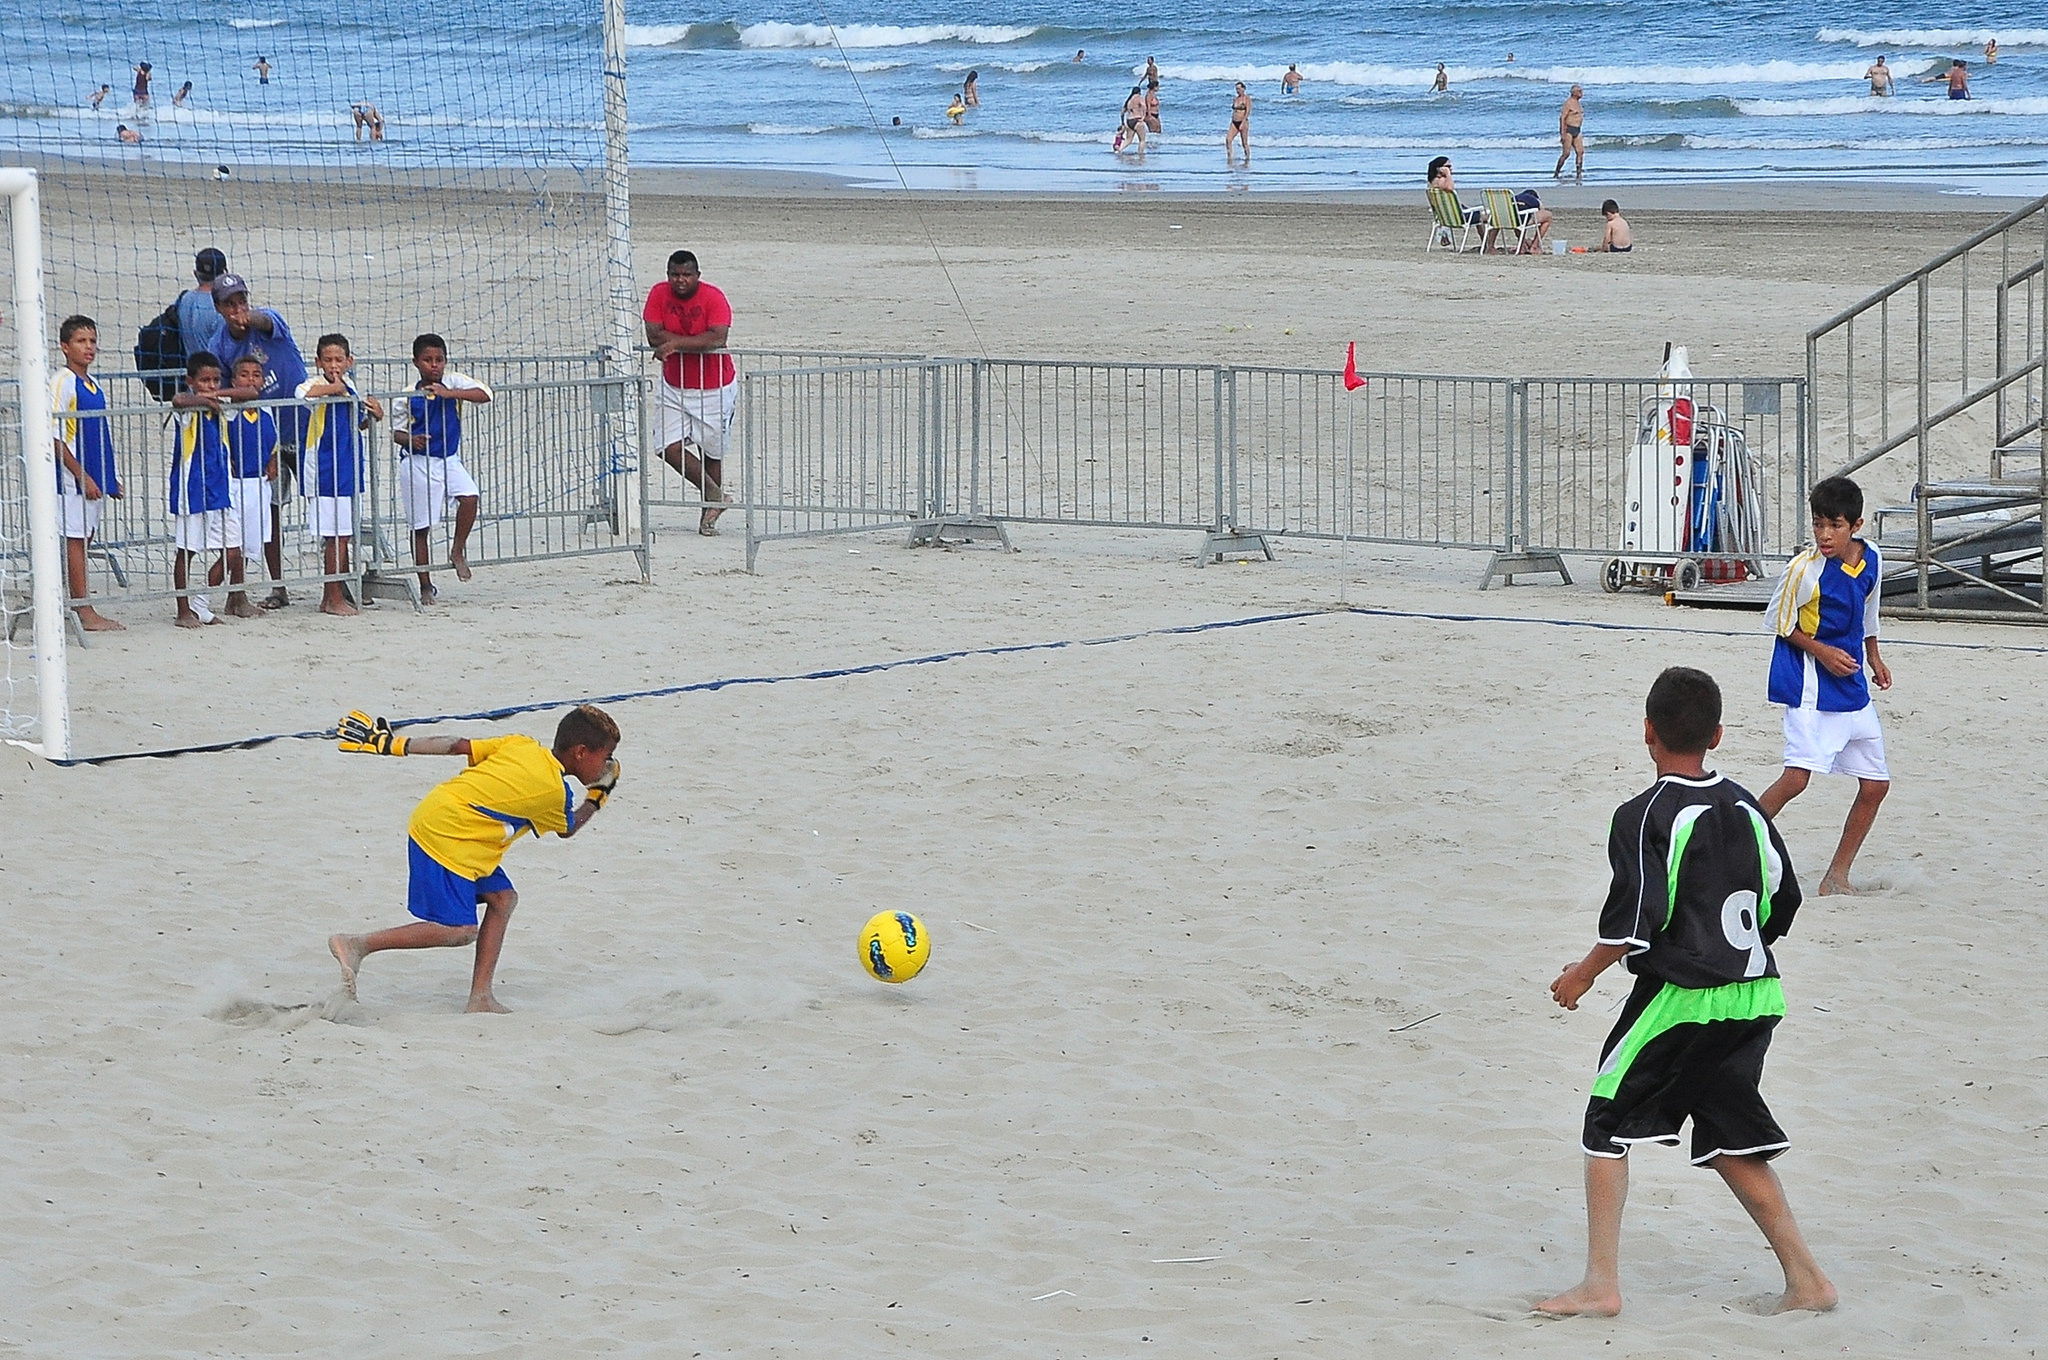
{"x":1701,"y":887}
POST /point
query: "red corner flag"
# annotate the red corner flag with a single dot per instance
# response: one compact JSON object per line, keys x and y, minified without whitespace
{"x":1352,"y":382}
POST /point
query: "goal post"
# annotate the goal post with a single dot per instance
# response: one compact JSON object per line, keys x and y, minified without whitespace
{"x":51,"y":735}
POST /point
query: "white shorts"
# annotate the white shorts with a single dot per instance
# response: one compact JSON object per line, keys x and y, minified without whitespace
{"x":207,"y":531}
{"x":331,"y":516}
{"x":249,"y":502}
{"x":428,"y":485}
{"x":701,"y":414}
{"x":1836,"y":743}
{"x":81,"y":516}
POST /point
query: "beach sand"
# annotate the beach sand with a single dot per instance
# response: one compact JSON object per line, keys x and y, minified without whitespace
{"x":1235,"y":1039}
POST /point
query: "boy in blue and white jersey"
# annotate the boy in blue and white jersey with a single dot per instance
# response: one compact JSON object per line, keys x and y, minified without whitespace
{"x":430,"y":468}
{"x":252,"y":466}
{"x":1825,"y":613}
{"x":332,"y":475}
{"x":199,"y":489}
{"x":85,"y":458}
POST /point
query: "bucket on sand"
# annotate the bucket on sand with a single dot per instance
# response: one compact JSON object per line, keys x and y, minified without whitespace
{"x":1559,"y":246}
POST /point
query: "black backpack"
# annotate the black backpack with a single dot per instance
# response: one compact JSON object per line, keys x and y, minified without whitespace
{"x":160,"y":354}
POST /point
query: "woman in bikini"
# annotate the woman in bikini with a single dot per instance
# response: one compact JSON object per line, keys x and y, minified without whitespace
{"x":1240,"y":124}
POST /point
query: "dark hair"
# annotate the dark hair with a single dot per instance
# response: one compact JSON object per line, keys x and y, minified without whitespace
{"x":1836,"y":498}
{"x":73,"y":325}
{"x":1608,"y":205}
{"x":682,"y":257}
{"x":198,"y":363}
{"x":1435,"y":165}
{"x":1684,"y":708}
{"x":209,"y":264}
{"x":333,"y":338}
{"x":587,"y":726}
{"x":428,"y":341}
{"x":246,"y":359}
{"x":974,"y":75}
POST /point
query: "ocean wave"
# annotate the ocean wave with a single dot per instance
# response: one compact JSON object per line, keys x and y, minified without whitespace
{"x":1885,"y":145}
{"x":945,"y":133}
{"x":656,"y":35}
{"x":878,"y":35}
{"x":255,"y":23}
{"x":1935,"y":37}
{"x":2034,"y":107}
{"x":1022,"y":68}
{"x":794,"y":130}
{"x":1419,"y":77}
{"x":859,"y":68}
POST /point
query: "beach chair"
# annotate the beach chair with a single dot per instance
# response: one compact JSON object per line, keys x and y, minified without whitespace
{"x":1507,"y":218}
{"x":1448,"y":226}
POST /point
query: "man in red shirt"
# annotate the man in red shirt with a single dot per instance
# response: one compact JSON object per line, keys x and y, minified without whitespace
{"x":687,"y":322}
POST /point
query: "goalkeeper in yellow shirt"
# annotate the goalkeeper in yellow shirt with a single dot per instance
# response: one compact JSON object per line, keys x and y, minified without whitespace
{"x":459,"y":833}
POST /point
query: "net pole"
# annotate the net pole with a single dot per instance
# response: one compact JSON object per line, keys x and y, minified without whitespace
{"x":46,"y":565}
{"x":618,"y":207}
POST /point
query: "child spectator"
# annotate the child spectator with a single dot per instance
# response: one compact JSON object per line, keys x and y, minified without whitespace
{"x":334,"y":454}
{"x":460,"y":832}
{"x":430,"y":467}
{"x":85,"y":458}
{"x":199,"y":489}
{"x":252,"y":469}
{"x":1702,"y":886}
{"x":1615,"y":237}
{"x":259,"y":331}
{"x":1825,"y":610}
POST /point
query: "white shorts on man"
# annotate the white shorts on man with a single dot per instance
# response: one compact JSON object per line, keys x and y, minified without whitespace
{"x":249,"y":511}
{"x":694,"y":415}
{"x":429,"y":485}
{"x":81,"y":516}
{"x":1836,"y":743}
{"x":331,"y":516}
{"x":207,"y":531}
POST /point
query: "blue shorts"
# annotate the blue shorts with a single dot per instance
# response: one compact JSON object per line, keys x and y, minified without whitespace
{"x":438,"y":894}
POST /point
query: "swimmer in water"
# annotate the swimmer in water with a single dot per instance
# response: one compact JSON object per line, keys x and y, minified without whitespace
{"x":970,"y":94}
{"x":1291,"y":82}
{"x":1880,"y":78}
{"x":101,"y":97}
{"x":127,"y":134}
{"x":184,"y":93}
{"x":262,"y":70}
{"x":1443,"y":79}
{"x":957,"y":109}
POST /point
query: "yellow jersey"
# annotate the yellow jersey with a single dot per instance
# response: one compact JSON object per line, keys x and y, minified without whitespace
{"x":513,"y":785}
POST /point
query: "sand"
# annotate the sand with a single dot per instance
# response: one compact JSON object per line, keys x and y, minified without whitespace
{"x":1235,"y":1039}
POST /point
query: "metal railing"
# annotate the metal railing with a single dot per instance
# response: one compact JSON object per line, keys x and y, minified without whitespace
{"x":1930,"y":392}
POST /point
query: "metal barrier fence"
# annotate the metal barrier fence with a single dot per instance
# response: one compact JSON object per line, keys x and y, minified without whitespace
{"x":552,"y":461}
{"x":1506,"y":464}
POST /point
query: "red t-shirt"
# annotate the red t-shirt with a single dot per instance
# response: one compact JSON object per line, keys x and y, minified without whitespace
{"x":694,"y":315}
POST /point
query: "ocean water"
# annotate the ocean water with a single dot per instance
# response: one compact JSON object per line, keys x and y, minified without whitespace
{"x":1676,"y":90}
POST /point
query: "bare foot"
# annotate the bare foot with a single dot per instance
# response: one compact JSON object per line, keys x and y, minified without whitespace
{"x":707,"y":523}
{"x":92,"y":621}
{"x":348,"y":952}
{"x":189,"y":621}
{"x":242,"y":609}
{"x":486,"y":1005}
{"x":1819,"y":1297}
{"x":1830,"y":886}
{"x":339,"y":608}
{"x":429,"y":595}
{"x":1583,"y":1300}
{"x":459,"y":559}
{"x":276,"y":599}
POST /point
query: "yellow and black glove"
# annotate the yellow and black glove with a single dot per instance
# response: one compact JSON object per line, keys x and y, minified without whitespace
{"x":606,"y":782}
{"x":370,"y":736}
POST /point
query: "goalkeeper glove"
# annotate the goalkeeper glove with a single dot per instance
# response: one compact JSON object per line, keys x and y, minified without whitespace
{"x":371,"y":736}
{"x":599,"y":792}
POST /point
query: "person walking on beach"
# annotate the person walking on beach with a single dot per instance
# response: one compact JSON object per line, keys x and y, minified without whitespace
{"x":1443,"y":79}
{"x":1130,"y":130}
{"x":1880,"y":78}
{"x":1570,"y":120}
{"x":262,"y":69}
{"x":1240,"y":124}
{"x":688,"y":321}
{"x":1152,"y":106}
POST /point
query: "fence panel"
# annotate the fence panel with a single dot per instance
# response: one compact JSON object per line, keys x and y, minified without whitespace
{"x":1120,"y":445}
{"x":1407,"y":458}
{"x":1574,"y":436}
{"x":837,"y":448}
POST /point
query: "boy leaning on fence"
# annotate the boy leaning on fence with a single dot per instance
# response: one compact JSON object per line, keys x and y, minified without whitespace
{"x":201,"y":502}
{"x":431,"y":472}
{"x":85,"y":457}
{"x":332,"y":475}
{"x":252,"y":463}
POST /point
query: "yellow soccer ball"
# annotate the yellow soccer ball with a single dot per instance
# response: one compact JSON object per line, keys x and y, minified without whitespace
{"x":894,"y":946}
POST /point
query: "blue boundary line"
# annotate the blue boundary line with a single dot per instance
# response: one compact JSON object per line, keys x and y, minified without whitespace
{"x":1008,"y":649}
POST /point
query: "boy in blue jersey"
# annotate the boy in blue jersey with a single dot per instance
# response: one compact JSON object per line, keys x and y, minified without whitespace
{"x":461,"y":830}
{"x":334,"y":455}
{"x":261,"y":332}
{"x":252,"y":468}
{"x":199,"y":489}
{"x":1825,"y":612}
{"x":85,"y":458}
{"x":1701,"y":888}
{"x":430,"y":468}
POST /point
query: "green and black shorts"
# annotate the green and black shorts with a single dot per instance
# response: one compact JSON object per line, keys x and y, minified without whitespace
{"x":1680,"y":1053}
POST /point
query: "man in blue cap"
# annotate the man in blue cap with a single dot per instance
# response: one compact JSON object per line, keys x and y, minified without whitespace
{"x":199,"y":323}
{"x":260,"y":333}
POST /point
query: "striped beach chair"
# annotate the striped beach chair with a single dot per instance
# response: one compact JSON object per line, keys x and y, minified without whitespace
{"x":1508,"y":219}
{"x":1449,"y":227}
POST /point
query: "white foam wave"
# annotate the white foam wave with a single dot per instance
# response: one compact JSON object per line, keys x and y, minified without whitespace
{"x":944,"y":133}
{"x":1420,"y":77}
{"x":788,"y":130}
{"x":1022,"y":68}
{"x":877,"y":35}
{"x":1935,"y":37}
{"x":1884,"y":145}
{"x":2034,"y":107}
{"x":859,"y":68}
{"x":656,"y":35}
{"x":254,"y":23}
